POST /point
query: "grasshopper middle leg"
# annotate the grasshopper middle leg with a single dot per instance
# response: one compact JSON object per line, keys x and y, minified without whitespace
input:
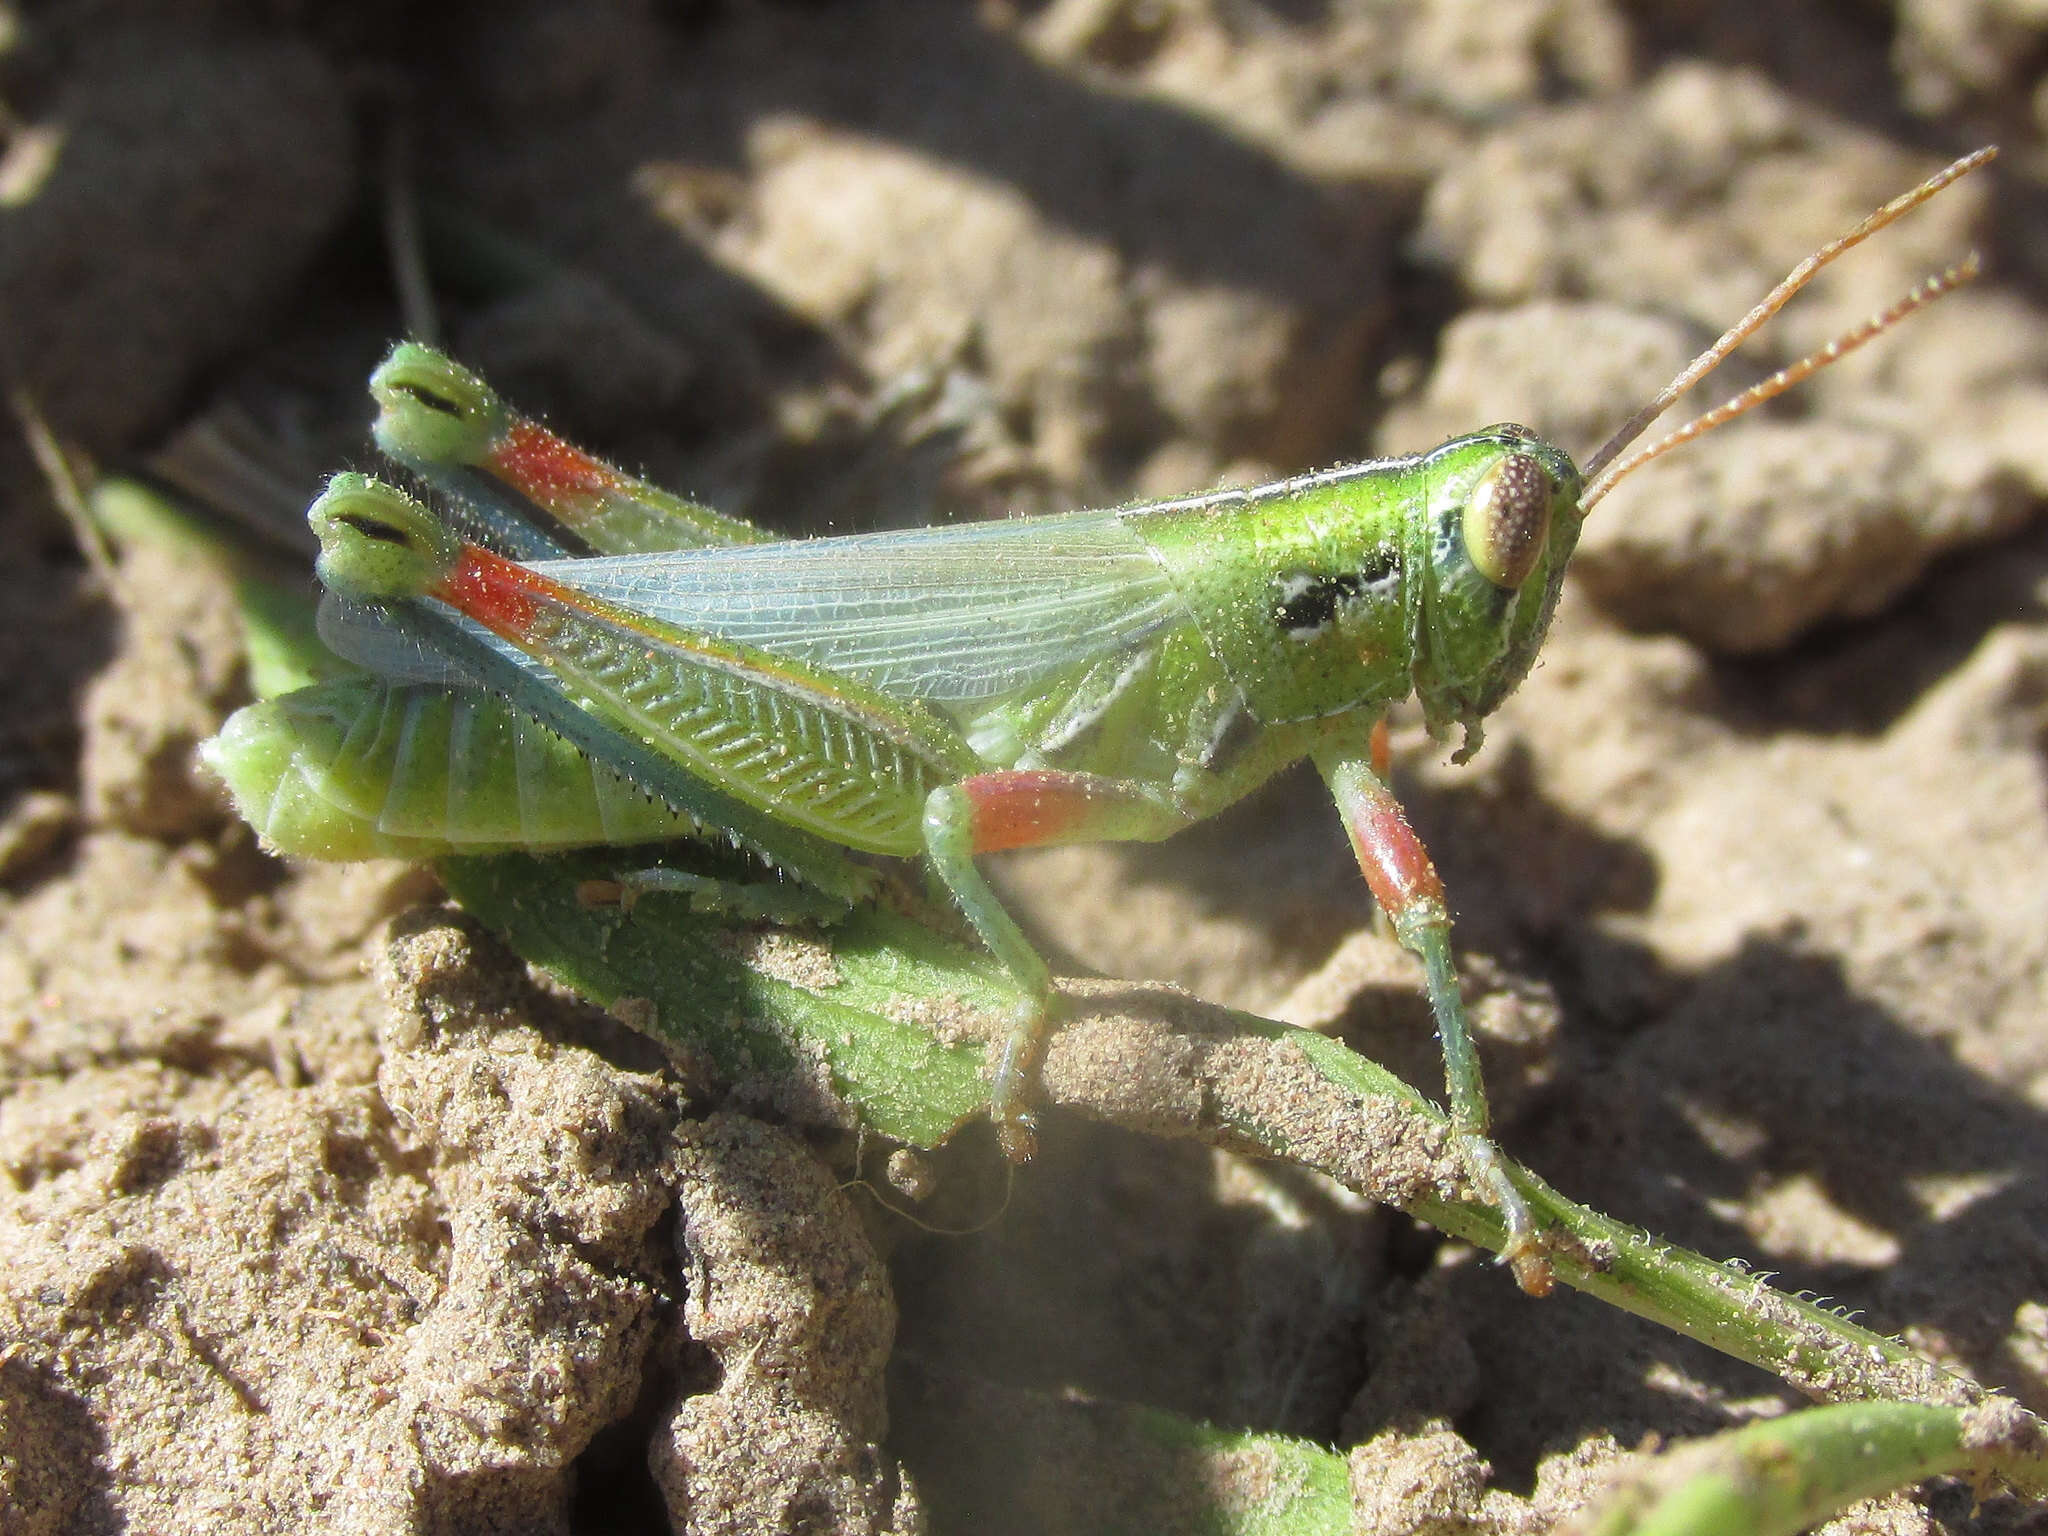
{"x":1029,"y":808}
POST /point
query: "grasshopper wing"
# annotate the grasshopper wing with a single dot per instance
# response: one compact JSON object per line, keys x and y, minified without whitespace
{"x":948,"y":615}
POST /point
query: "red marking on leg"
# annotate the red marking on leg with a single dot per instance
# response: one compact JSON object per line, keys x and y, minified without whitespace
{"x":1027,"y":809}
{"x":545,"y":469}
{"x":1382,"y":749}
{"x":1396,"y":865}
{"x":501,"y":596}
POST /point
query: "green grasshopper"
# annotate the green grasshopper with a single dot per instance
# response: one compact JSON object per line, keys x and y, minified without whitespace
{"x":940,"y":692}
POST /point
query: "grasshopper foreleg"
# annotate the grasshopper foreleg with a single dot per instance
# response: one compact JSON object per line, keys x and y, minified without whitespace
{"x":1405,"y":884}
{"x":1029,"y":808}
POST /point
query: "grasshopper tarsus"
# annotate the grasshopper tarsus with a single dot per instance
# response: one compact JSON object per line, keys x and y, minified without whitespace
{"x":1017,"y":1134}
{"x":1016,"y":1076}
{"x":1529,"y":1261}
{"x":1524,"y":1249}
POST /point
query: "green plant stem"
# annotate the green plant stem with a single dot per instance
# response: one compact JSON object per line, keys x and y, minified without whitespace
{"x":1724,"y":1306}
{"x":1783,"y":1475}
{"x":900,"y":1015}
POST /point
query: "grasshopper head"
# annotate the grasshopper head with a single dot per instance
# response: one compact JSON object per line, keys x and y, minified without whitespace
{"x":1498,"y":528}
{"x":432,"y":410}
{"x":1485,"y":610}
{"x":376,"y":542}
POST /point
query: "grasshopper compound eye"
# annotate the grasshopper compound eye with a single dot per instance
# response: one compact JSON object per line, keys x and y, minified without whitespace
{"x":1508,"y":518}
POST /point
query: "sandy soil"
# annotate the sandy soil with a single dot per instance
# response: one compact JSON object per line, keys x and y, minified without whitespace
{"x":318,"y":1214}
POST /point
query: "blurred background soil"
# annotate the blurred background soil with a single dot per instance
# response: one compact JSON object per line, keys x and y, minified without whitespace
{"x":1760,"y":851}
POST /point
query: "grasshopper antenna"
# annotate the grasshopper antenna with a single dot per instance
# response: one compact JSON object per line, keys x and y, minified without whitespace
{"x":1602,"y":471}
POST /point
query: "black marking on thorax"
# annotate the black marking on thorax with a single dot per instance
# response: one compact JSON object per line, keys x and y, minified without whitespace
{"x":1304,"y":602}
